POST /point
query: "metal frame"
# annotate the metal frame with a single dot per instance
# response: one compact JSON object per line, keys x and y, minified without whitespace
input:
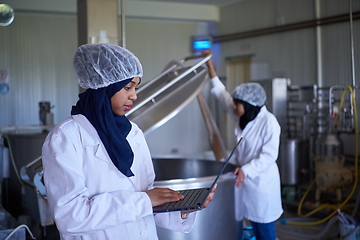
{"x":181,"y":63}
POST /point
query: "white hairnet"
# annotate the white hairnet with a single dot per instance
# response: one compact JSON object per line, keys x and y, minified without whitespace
{"x":252,"y":93}
{"x":99,"y":65}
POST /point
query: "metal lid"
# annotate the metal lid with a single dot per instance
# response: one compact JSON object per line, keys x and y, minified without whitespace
{"x":165,"y":96}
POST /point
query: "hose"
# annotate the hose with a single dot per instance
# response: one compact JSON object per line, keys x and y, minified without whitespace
{"x":326,"y":229}
{"x":313,"y":182}
{"x":16,"y":229}
{"x":317,"y":236}
{"x":340,"y":107}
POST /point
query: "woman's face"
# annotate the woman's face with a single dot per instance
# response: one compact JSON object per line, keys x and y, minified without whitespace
{"x":238,"y":109}
{"x":122,"y":101}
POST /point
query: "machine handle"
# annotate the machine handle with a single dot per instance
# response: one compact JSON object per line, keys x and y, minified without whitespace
{"x":32,"y":162}
{"x":197,"y":56}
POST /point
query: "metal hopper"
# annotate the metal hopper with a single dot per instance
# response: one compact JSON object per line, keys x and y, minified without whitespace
{"x":166,"y":95}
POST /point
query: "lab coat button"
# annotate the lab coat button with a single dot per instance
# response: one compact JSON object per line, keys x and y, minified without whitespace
{"x":143,"y":233}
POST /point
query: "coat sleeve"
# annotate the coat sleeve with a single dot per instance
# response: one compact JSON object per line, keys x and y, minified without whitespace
{"x":223,"y":96}
{"x":77,"y":209}
{"x":172,"y":221}
{"x":269,"y":134}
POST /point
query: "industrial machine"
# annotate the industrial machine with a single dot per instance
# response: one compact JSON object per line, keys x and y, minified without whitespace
{"x":323,"y":176}
{"x":326,"y":118}
{"x":330,"y":173}
{"x":312,"y":146}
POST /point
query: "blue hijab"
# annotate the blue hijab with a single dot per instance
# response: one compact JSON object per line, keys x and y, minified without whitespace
{"x":95,"y":105}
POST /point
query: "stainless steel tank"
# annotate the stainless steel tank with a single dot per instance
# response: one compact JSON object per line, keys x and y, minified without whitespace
{"x":293,"y":161}
{"x":218,"y":220}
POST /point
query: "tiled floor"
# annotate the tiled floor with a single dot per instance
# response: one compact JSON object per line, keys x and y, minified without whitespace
{"x":298,"y":232}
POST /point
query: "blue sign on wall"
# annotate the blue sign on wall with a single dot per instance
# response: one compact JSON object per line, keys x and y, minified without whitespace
{"x":4,"y":88}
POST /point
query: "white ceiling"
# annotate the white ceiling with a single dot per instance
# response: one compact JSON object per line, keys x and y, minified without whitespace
{"x":196,"y":10}
{"x":211,"y":2}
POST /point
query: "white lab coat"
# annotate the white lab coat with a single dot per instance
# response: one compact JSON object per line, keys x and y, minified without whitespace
{"x":90,"y":198}
{"x":259,"y":198}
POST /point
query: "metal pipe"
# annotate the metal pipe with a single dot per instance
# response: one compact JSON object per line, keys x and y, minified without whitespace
{"x":352,"y":46}
{"x":19,"y":129}
{"x":123,"y":34}
{"x":318,"y":45}
{"x":319,"y":59}
{"x":286,"y":27}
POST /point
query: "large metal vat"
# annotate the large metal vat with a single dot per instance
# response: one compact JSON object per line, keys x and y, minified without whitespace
{"x":293,"y":161}
{"x":218,"y":220}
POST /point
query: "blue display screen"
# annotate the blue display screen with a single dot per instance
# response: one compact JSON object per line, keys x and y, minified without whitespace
{"x":202,"y":44}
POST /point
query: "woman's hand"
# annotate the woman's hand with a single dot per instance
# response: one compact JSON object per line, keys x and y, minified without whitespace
{"x":206,"y":203}
{"x":159,"y":196}
{"x":240,"y":177}
{"x":209,"y":64}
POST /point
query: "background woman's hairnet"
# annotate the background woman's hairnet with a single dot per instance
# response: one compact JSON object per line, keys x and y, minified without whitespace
{"x":252,"y":93}
{"x":99,"y":65}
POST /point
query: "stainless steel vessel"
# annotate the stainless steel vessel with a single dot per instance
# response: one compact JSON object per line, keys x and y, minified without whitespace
{"x":293,"y":161}
{"x":162,"y":98}
{"x":218,"y":220}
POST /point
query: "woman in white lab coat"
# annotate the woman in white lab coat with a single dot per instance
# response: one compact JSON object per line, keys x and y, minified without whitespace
{"x":257,"y":192}
{"x":98,"y":171}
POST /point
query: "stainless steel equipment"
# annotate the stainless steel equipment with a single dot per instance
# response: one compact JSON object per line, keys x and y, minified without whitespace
{"x":218,"y":220}
{"x":318,"y":116}
{"x":162,"y":98}
{"x":24,"y":146}
{"x":215,"y":222}
{"x":294,"y":161}
{"x":32,"y":177}
{"x":276,"y":99}
{"x":331,"y":175}
{"x":46,"y":117}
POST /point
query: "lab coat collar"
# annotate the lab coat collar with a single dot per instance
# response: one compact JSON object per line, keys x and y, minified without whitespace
{"x":89,"y":136}
{"x":251,"y":123}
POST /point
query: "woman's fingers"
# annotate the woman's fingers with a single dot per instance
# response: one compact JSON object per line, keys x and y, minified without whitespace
{"x":159,"y":196}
